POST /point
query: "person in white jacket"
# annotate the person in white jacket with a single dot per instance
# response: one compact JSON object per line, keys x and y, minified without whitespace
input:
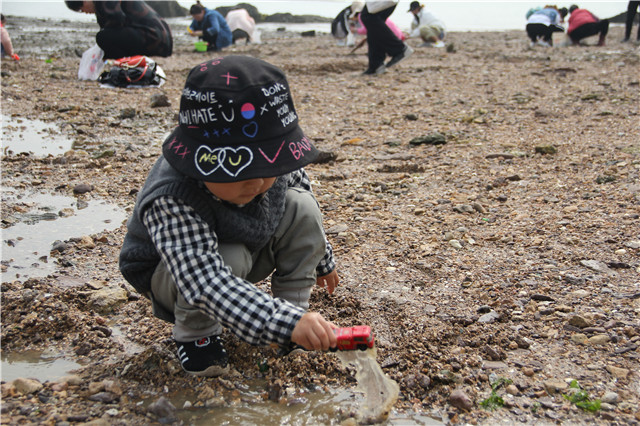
{"x":242,"y":25}
{"x":426,"y":26}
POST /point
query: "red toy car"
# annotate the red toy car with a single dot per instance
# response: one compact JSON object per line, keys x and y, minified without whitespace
{"x":352,"y":338}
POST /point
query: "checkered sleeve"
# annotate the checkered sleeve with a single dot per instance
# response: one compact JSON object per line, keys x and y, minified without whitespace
{"x":300,"y":179}
{"x":189,"y":248}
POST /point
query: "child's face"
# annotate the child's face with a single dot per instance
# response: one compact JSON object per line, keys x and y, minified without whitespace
{"x":240,"y":192}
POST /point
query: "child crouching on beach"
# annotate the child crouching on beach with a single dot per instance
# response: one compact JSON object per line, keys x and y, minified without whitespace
{"x":227,"y":204}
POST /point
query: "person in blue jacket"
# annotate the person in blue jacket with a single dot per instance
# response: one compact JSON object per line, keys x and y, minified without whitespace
{"x":210,"y":26}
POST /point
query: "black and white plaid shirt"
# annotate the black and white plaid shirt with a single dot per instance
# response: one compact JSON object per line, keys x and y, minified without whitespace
{"x":189,"y":248}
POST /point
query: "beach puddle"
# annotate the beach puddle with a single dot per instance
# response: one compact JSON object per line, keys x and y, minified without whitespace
{"x":36,"y":220}
{"x":249,"y":407}
{"x":42,"y":366}
{"x":36,"y":137}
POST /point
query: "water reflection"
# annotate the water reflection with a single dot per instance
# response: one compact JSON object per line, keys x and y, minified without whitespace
{"x":37,"y":365}
{"x":20,"y":135}
{"x":39,"y":221}
{"x":313,"y":408}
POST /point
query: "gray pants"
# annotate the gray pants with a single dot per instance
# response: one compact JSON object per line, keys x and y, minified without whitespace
{"x":292,"y":254}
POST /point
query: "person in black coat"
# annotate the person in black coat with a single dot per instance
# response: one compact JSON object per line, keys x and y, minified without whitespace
{"x":127,"y":28}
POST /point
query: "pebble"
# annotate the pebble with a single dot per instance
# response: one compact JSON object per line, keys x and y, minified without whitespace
{"x":159,"y":100}
{"x":595,"y":265}
{"x":455,"y":244}
{"x":82,"y":188}
{"x":610,"y":397}
{"x":104,"y":397}
{"x":461,"y":400}
{"x":579,"y":321}
{"x":579,"y":338}
{"x":489,"y":317}
{"x":553,"y":386}
{"x":599,"y":339}
{"x":27,"y":386}
{"x":162,"y":408}
{"x":618,"y":372}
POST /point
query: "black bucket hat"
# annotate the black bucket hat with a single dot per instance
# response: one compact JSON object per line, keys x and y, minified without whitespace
{"x":237,"y":122}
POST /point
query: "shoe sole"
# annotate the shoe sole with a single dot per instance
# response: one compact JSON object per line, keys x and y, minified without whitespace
{"x":212,"y":371}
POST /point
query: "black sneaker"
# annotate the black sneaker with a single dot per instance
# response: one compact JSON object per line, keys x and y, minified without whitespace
{"x":408,"y":51}
{"x":203,"y":357}
{"x":375,"y":71}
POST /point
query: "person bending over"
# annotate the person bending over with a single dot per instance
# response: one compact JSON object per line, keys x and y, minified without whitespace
{"x":127,"y":28}
{"x":210,"y":26}
{"x":583,"y":24}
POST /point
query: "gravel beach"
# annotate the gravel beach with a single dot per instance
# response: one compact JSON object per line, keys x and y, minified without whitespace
{"x":483,"y":201}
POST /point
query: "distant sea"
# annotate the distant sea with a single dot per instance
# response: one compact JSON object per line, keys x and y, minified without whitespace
{"x":457,"y":15}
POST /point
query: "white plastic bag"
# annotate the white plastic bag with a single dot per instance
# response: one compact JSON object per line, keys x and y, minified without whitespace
{"x":377,"y":6}
{"x":91,"y":63}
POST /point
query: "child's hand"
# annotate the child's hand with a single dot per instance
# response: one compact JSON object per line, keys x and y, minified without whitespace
{"x":313,"y":332}
{"x":331,"y":281}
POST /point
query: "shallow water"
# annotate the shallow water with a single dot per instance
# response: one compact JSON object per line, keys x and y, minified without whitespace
{"x":26,"y":245}
{"x":313,"y":408}
{"x":20,"y":135}
{"x":37,"y":365}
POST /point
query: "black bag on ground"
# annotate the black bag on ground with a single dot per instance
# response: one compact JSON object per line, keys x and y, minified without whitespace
{"x":124,"y":76}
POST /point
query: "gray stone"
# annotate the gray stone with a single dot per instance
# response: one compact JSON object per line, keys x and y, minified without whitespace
{"x":461,"y":400}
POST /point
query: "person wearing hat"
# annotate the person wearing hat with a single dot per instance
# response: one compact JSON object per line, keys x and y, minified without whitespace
{"x":226,"y":205}
{"x":342,"y":24}
{"x":426,"y":26}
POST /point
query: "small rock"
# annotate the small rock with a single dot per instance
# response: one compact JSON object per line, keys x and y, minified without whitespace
{"x":489,"y":318}
{"x":618,"y":372}
{"x":59,"y":246}
{"x":553,"y":386}
{"x":86,"y":242}
{"x":545,"y":149}
{"x":159,"y":100}
{"x":106,"y":299}
{"x":434,"y":138}
{"x":104,"y":397}
{"x":599,"y":339}
{"x":512,"y":390}
{"x":26,"y":386}
{"x":82,"y":188}
{"x":455,"y":244}
{"x":460,"y":400}
{"x":610,"y":397}
{"x":162,"y":408}
{"x":127,"y":113}
{"x":579,"y":321}
{"x":580,"y":339}
{"x":595,"y":265}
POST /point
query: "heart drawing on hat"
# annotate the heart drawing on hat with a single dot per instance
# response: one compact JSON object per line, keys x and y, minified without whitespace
{"x":250,"y":130}
{"x":231,"y":160}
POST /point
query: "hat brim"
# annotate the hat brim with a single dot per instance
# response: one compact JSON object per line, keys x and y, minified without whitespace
{"x":222,"y":163}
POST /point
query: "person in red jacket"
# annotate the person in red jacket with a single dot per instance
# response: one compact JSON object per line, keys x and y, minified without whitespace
{"x":583,"y":24}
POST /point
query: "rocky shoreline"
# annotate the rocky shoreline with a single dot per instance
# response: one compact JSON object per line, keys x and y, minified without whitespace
{"x":483,"y":202}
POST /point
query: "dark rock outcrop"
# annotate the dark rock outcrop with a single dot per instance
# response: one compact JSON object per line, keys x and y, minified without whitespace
{"x":168,"y":9}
